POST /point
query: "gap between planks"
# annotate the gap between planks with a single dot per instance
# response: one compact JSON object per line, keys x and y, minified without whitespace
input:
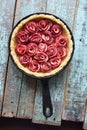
{"x":75,"y":94}
{"x":57,"y":83}
{"x":19,"y":96}
{"x":5,"y":28}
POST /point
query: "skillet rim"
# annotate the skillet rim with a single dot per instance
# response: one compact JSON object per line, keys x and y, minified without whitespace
{"x":72,"y":38}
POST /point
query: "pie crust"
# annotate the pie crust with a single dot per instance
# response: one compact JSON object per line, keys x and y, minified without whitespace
{"x":13,"y":44}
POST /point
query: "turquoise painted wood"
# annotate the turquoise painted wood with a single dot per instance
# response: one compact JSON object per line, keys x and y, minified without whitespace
{"x":76,"y":86}
{"x":57,"y":83}
{"x":6,"y":20}
{"x":26,"y":102}
{"x":28,"y":7}
{"x":57,"y":101}
{"x":16,"y":92}
{"x":12,"y":91}
{"x":21,"y":98}
{"x":85,"y":120}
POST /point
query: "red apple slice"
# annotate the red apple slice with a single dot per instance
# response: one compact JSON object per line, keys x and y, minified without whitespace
{"x":22,"y":37}
{"x":34,"y":66}
{"x":61,"y":41}
{"x":45,"y":67}
{"x":42,"y":47}
{"x":55,"y":62}
{"x":24,"y":60}
{"x":51,"y":51}
{"x":62,"y":52}
{"x":20,"y":49}
{"x":31,"y":27}
{"x":47,"y":37}
{"x":36,"y":37}
{"x":41,"y":57}
{"x":44,"y":25}
{"x":32,"y":49}
{"x":56,"y":30}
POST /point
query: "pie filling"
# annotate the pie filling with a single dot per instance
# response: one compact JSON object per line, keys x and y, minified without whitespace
{"x":41,"y":44}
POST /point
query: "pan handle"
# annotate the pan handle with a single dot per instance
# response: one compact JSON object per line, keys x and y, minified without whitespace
{"x":47,"y":105}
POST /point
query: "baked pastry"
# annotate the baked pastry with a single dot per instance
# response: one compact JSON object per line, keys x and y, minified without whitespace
{"x":41,"y":45}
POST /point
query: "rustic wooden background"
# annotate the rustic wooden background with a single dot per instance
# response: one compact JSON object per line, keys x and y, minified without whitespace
{"x":20,"y":95}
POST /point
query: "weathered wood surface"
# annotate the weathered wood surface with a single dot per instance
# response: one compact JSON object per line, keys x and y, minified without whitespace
{"x":68,"y":89}
{"x":17,"y":89}
{"x":12,"y":88}
{"x":76,"y":85}
{"x":57,"y":101}
{"x":85,"y":120}
{"x":6,"y":19}
{"x":12,"y":91}
{"x":57,"y":83}
{"x":25,"y":107}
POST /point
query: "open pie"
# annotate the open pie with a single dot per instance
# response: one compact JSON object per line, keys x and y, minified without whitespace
{"x":41,"y":45}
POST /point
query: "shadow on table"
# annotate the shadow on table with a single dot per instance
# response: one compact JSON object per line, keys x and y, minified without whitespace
{"x":26,"y":124}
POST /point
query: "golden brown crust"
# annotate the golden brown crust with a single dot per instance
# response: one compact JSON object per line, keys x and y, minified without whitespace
{"x":65,"y":33}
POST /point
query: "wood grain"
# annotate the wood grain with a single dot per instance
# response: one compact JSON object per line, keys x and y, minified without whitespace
{"x":12,"y":90}
{"x":25,"y":106}
{"x":26,"y":102}
{"x":76,"y":85}
{"x":6,"y":20}
{"x":14,"y":81}
{"x":19,"y":90}
{"x":57,"y":83}
{"x":56,"y":97}
{"x":27,"y":7}
{"x":85,"y":119}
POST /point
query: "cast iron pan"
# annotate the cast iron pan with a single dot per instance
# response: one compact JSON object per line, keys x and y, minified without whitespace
{"x":47,"y":104}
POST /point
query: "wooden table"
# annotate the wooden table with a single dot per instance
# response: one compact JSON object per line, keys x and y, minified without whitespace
{"x":20,"y":95}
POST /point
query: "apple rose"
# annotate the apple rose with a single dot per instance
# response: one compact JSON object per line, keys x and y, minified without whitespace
{"x":44,"y":25}
{"x":42,"y":47}
{"x":51,"y":51}
{"x":56,"y":30}
{"x":34,"y":66}
{"x":32,"y":49}
{"x":22,"y":37}
{"x":62,"y":52}
{"x":61,"y":41}
{"x":55,"y":62}
{"x":45,"y":67}
{"x":24,"y":60}
{"x":20,"y":49}
{"x":36,"y":37}
{"x":41,"y":57}
{"x":31,"y":26}
{"x":47,"y":37}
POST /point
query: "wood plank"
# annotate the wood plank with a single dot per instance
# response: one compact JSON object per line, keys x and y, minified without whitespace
{"x":76,"y":85}
{"x":25,"y":107}
{"x":14,"y":82}
{"x":6,"y":20}
{"x":26,"y":102}
{"x":56,"y":97}
{"x":16,"y":92}
{"x":12,"y":90}
{"x":28,"y":7}
{"x":85,"y":120}
{"x":57,"y":83}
